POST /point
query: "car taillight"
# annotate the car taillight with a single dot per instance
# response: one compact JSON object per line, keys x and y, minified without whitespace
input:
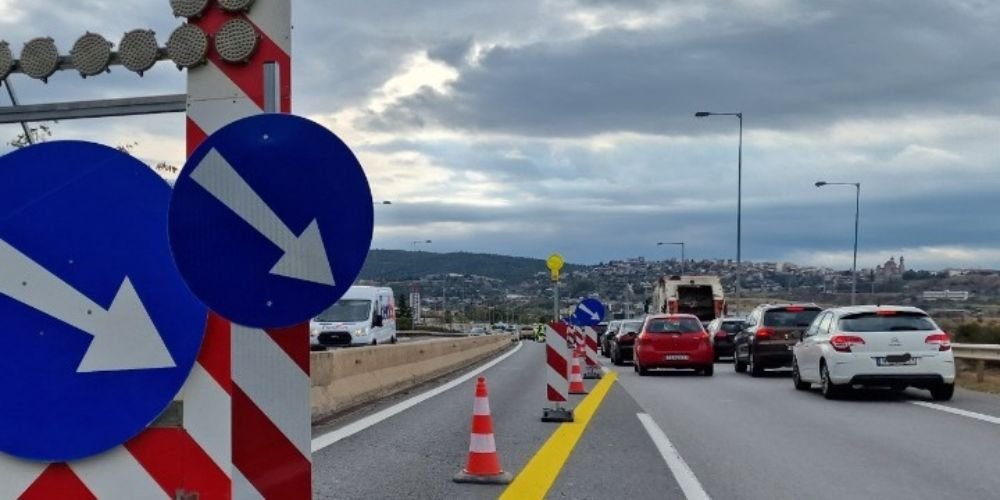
{"x":843,"y":343}
{"x":942,"y":340}
{"x":720,"y":335}
{"x":764,"y":333}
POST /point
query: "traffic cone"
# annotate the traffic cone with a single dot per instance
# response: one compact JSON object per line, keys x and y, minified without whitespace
{"x":576,"y":377}
{"x":484,"y":463}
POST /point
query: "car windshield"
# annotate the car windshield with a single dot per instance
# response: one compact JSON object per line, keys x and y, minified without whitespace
{"x":790,"y":318}
{"x":873,"y":322}
{"x":347,"y":311}
{"x":674,"y":325}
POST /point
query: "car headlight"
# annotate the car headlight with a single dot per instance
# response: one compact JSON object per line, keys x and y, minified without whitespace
{"x":360,"y":332}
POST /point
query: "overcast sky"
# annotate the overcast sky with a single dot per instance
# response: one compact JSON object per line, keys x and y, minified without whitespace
{"x":530,"y":126}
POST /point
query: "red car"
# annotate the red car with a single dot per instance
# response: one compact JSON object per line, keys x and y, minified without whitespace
{"x":674,"y":341}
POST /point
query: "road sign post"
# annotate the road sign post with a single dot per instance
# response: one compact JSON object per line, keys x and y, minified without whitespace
{"x":555,"y":264}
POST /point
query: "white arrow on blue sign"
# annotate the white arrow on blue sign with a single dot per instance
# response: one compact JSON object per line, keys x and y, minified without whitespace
{"x":98,"y":331}
{"x":271,"y":220}
{"x":589,"y":312}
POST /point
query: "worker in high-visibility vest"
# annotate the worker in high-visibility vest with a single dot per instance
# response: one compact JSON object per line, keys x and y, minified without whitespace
{"x":540,"y":333}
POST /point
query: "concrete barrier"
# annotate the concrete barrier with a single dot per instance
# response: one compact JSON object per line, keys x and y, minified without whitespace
{"x":345,"y":378}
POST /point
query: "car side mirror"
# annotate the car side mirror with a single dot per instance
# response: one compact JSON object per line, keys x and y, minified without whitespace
{"x":377,"y":321}
{"x":802,"y":336}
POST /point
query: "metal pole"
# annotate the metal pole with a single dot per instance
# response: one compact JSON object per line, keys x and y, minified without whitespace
{"x":444,"y":300}
{"x":682,"y":258}
{"x":555,"y":302}
{"x":739,"y":217}
{"x":854,"y":268}
{"x":13,"y":101}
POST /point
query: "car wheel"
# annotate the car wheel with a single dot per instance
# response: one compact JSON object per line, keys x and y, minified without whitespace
{"x":753,"y":367}
{"x":643,"y":371}
{"x":616,"y":358}
{"x":708,"y":371}
{"x":374,"y":341}
{"x":738,"y":365}
{"x":715,"y":359}
{"x":943,"y":392}
{"x":393,"y":340}
{"x":829,"y":389}
{"x":800,"y":385}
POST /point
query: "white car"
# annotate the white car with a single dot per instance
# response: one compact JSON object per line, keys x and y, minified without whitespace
{"x":880,"y":346}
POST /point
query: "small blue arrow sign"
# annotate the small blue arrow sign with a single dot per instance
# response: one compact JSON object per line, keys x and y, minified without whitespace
{"x":98,"y":331}
{"x":589,"y":312}
{"x":271,"y":220}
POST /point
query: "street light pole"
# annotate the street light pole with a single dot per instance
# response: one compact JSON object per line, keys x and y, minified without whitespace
{"x":857,"y":219}
{"x":414,"y":243}
{"x":739,"y":200}
{"x":681,"y":243}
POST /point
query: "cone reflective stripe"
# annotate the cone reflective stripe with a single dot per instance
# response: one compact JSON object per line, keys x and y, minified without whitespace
{"x":576,"y":378}
{"x":483,"y":465}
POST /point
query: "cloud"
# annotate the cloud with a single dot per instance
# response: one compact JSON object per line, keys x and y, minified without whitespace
{"x":847,"y":63}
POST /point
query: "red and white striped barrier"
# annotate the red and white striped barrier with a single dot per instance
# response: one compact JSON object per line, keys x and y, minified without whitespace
{"x":557,"y":357}
{"x":246,"y":418}
{"x":590,"y":353}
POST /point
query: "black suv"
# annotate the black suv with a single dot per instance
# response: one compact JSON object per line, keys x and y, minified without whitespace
{"x":770,"y":332}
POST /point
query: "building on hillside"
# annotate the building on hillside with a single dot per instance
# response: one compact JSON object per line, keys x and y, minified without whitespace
{"x":890,"y":270}
{"x":946,"y":295}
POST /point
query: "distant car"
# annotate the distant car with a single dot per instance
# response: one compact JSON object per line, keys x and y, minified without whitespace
{"x":674,"y":341}
{"x":478,"y":330}
{"x":527,"y":332}
{"x":621,"y":344}
{"x":885,"y":346}
{"x":770,"y":332}
{"x":609,"y":333}
{"x":723,"y":331}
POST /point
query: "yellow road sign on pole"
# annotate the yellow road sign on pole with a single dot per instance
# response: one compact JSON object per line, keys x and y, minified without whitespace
{"x":555,"y":264}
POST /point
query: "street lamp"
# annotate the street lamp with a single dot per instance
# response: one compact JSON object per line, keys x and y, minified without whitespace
{"x":739,"y":197}
{"x":681,"y":243}
{"x":857,"y":215}
{"x":387,"y":202}
{"x":414,"y":243}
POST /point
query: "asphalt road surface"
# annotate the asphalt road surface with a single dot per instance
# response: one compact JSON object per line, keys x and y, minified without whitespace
{"x":671,"y":435}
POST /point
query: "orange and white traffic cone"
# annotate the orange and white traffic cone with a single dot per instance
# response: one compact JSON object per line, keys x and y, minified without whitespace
{"x":576,"y":377}
{"x":484,"y":463}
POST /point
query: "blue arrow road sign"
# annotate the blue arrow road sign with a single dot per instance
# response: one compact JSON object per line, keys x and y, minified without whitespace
{"x":98,"y":331}
{"x":271,"y":220}
{"x":589,"y":312}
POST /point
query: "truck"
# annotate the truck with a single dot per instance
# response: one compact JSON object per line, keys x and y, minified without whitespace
{"x":701,"y":296}
{"x":365,"y":315}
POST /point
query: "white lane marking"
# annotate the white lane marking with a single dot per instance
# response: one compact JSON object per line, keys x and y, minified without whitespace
{"x":682,"y":473}
{"x":353,"y":428}
{"x":965,"y":413}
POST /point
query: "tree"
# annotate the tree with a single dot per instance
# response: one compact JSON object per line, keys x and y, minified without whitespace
{"x":37,"y":134}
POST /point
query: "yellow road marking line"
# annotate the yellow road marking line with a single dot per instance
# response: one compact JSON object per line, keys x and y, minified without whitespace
{"x":542,"y":470}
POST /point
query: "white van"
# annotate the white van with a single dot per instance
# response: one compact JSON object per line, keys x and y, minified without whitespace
{"x":365,"y":315}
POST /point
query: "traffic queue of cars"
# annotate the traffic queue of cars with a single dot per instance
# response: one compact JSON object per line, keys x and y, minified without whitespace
{"x":839,"y":349}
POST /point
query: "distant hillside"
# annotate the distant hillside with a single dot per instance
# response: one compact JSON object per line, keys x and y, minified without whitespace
{"x":400,"y":265}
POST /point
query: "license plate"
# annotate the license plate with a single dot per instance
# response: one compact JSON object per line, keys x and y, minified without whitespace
{"x":676,"y":357}
{"x":891,"y":362}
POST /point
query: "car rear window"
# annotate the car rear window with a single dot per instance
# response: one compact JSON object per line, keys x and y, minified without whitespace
{"x":674,"y":325}
{"x":898,"y":322}
{"x":791,"y":317}
{"x":732,"y":326}
{"x":631,"y":326}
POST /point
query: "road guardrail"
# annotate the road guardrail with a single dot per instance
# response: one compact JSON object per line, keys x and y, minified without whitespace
{"x":980,"y":353}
